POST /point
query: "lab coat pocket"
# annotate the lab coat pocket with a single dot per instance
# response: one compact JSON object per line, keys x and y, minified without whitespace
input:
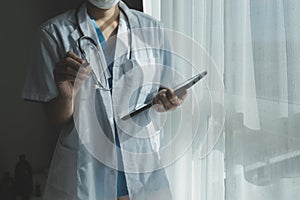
{"x":62,"y":177}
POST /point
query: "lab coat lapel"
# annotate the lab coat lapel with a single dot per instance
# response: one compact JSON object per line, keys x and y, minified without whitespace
{"x":85,"y":171}
{"x":132,"y":19}
{"x":88,"y":30}
{"x":85,"y":24}
{"x":122,"y":66}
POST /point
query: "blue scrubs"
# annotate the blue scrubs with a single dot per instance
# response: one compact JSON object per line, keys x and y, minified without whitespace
{"x":121,"y":180}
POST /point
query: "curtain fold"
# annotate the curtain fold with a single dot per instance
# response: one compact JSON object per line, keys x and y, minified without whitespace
{"x":255,"y":46}
{"x":262,"y":145}
{"x":199,"y":173}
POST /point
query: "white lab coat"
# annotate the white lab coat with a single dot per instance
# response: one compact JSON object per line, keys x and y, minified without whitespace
{"x":75,"y":173}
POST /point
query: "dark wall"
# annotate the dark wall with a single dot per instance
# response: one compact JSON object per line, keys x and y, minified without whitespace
{"x":23,"y":128}
{"x":135,"y":4}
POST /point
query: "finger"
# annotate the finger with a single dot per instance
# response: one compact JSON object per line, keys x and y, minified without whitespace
{"x":184,"y":95}
{"x":155,"y":99}
{"x":65,"y":63}
{"x":173,"y":99}
{"x":63,"y":77}
{"x":72,"y":66}
{"x":82,"y":76}
{"x":72,"y":62}
{"x":85,"y":70}
{"x":158,"y":106}
{"x":71,"y":54}
{"x":165,"y":101}
{"x":67,"y":70}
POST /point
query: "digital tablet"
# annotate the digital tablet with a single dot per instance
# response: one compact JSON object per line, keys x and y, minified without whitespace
{"x":178,"y":91}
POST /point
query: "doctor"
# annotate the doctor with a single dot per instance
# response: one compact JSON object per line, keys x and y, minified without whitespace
{"x":56,"y":62}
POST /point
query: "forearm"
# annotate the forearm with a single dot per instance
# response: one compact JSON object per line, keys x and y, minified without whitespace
{"x":59,"y":111}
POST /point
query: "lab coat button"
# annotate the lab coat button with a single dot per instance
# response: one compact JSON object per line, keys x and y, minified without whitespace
{"x":112,"y":172}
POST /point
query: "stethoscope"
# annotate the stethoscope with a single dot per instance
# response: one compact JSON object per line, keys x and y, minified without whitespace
{"x":83,"y":37}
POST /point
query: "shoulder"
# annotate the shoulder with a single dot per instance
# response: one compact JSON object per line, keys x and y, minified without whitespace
{"x":60,"y":23}
{"x":146,"y":20}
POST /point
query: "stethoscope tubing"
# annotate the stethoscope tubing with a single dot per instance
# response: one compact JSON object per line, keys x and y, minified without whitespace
{"x":93,"y":41}
{"x":86,"y":63}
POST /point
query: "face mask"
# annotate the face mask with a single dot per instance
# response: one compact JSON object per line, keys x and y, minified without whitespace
{"x":104,"y":4}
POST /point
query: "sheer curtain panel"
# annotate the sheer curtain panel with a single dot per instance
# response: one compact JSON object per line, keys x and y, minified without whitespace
{"x":255,"y":46}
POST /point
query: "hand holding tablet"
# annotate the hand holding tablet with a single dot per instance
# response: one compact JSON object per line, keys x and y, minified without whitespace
{"x":178,"y":91}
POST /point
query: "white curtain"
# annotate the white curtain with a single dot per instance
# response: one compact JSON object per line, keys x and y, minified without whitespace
{"x":197,"y":175}
{"x":262,"y":83}
{"x":255,"y":45}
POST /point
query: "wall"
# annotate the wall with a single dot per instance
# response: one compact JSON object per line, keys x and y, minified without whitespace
{"x":23,"y":128}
